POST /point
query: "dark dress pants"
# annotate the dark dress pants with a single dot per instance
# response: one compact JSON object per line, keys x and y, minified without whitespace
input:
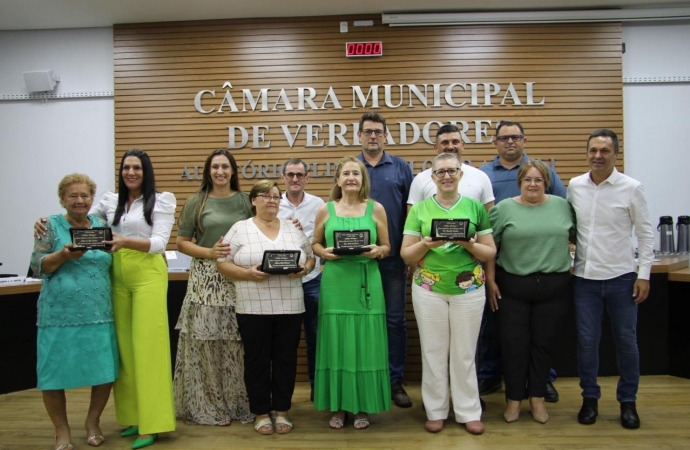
{"x":270,"y":359}
{"x":529,"y":315}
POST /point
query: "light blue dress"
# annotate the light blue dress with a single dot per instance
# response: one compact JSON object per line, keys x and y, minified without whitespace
{"x":76,"y":332}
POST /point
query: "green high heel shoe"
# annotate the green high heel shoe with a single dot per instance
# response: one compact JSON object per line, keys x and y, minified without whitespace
{"x":144,"y":442}
{"x":130,"y":431}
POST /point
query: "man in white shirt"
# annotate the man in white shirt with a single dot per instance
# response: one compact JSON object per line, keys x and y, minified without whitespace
{"x":298,"y":204}
{"x":474,"y":184}
{"x":609,"y":205}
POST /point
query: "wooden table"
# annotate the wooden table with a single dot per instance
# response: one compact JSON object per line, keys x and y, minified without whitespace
{"x":670,"y":264}
{"x":682,"y":275}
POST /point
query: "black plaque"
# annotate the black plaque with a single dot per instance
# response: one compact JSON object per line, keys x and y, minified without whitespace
{"x":90,"y":238}
{"x":351,"y":242}
{"x":450,"y":229}
{"x":281,"y":262}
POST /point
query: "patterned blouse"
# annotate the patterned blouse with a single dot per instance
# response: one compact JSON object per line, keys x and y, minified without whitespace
{"x":279,"y":294}
{"x":78,"y":292}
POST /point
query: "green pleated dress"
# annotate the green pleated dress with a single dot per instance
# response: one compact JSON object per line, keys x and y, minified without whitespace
{"x":352,"y":344}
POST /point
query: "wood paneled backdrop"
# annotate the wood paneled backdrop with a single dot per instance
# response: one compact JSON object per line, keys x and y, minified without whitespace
{"x":160,"y":68}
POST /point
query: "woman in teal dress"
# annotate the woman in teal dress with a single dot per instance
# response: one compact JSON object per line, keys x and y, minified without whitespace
{"x":352,"y":344}
{"x":76,"y":333}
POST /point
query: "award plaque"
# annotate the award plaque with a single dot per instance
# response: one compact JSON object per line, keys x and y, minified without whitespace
{"x":352,"y":242}
{"x":450,"y":229}
{"x":90,"y":238}
{"x":281,"y":262}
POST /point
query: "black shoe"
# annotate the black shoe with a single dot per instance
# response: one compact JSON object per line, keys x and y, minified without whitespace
{"x":589,"y":411}
{"x":489,"y":385}
{"x":551,"y":394}
{"x":400,"y":397}
{"x":629,"y":417}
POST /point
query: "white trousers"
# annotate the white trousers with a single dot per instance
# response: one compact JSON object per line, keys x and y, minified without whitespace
{"x":448,"y":331}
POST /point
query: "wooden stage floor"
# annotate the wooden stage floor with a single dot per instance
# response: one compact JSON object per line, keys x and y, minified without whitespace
{"x":663,"y":404}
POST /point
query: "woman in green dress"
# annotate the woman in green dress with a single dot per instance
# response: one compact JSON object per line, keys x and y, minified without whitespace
{"x":76,"y":341}
{"x":352,"y":344}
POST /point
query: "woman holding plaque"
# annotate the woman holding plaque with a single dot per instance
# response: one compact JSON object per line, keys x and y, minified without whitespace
{"x":76,"y":331}
{"x":530,"y":288}
{"x":209,"y":369}
{"x":448,"y":293}
{"x":269,"y":305}
{"x":352,"y":344}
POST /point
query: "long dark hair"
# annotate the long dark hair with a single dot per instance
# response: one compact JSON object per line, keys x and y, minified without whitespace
{"x":148,"y":187}
{"x":207,"y":183}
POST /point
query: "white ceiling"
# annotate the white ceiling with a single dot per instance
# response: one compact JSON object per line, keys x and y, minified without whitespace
{"x":44,"y":14}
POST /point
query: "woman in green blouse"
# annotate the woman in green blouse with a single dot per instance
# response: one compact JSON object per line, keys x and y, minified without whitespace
{"x":529,"y":284}
{"x":209,"y":369}
{"x":448,"y":296}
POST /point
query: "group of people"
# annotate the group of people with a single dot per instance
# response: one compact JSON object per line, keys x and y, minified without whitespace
{"x":102,"y":314}
{"x":508,"y":280}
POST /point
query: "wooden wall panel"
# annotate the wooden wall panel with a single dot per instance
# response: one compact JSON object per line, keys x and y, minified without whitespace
{"x":160,"y":67}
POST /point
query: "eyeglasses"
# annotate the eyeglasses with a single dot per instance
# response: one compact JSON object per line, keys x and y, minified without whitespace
{"x":368,"y":133}
{"x":442,"y":172}
{"x":291,"y":175}
{"x":536,"y":181}
{"x":514,"y":137}
{"x":266,"y":197}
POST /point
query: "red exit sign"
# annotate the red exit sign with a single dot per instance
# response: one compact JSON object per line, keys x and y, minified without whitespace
{"x":362,"y":49}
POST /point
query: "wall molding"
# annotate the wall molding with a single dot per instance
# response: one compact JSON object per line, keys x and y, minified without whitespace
{"x":61,"y":95}
{"x":661,"y":79}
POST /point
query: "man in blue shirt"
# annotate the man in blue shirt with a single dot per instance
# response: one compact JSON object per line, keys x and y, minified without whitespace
{"x":510,"y":143}
{"x":390,"y":178}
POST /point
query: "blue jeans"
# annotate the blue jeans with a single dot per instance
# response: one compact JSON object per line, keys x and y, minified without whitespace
{"x":616,"y":294}
{"x":394,"y":282}
{"x":311,"y":319}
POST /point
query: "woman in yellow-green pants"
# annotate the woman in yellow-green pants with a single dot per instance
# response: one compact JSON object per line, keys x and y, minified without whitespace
{"x":141,"y":219}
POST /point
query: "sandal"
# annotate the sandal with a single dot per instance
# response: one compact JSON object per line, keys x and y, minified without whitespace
{"x":337,"y":421}
{"x":283,"y":424}
{"x":95,"y":440}
{"x":62,"y":446}
{"x":361,"y":422}
{"x":264,"y":426}
{"x":224,"y":423}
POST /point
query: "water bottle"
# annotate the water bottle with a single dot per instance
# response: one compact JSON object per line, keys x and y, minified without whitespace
{"x":683,"y":228}
{"x":665,"y":229}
